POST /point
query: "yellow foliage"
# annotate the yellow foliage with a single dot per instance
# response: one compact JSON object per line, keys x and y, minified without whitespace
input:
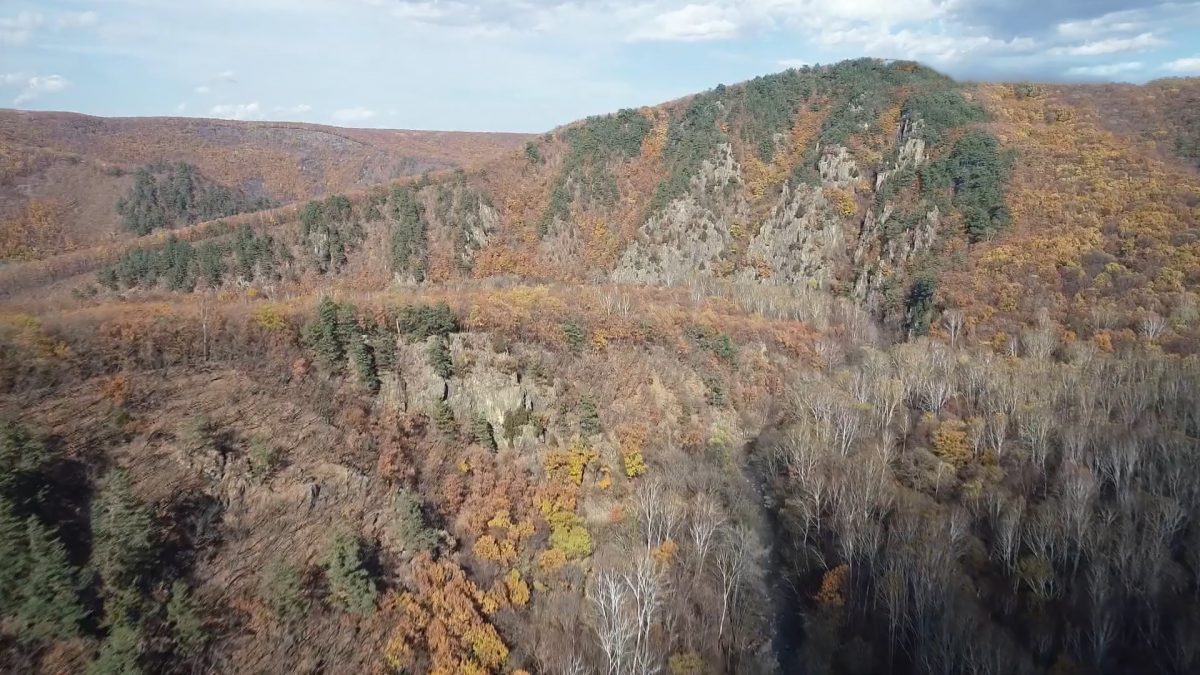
{"x":269,"y":318}
{"x":518,"y":590}
{"x":950,"y":443}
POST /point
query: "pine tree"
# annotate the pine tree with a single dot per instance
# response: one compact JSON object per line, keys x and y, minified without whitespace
{"x":325,"y":334}
{"x":50,"y":608}
{"x":120,"y":653}
{"x":184,"y":617}
{"x":362,"y":355}
{"x":439,"y":357}
{"x":481,"y":433}
{"x":350,"y":584}
{"x":14,"y":558}
{"x":122,"y":534}
{"x":283,"y":593}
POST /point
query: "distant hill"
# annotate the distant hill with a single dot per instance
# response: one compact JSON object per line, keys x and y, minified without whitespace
{"x":71,"y":169}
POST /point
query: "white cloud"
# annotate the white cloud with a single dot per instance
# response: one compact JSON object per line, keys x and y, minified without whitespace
{"x":37,"y":85}
{"x":182,"y":107}
{"x":202,"y":89}
{"x":225,"y":76}
{"x":1114,"y":22}
{"x":1111,"y":45}
{"x":346,"y":115}
{"x":77,"y":20}
{"x":792,"y":63}
{"x":691,"y":23}
{"x":17,"y":29}
{"x":1189,"y":65}
{"x":298,"y":109}
{"x":1107,"y":69}
{"x":9,"y":79}
{"x":237,"y":111}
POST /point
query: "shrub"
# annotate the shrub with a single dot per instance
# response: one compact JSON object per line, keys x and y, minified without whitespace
{"x":264,"y":458}
{"x":349,"y":583}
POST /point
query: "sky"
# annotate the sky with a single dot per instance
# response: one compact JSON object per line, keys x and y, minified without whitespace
{"x":531,"y":65}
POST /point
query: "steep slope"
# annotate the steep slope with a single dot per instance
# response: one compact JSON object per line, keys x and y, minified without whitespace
{"x":66,"y":170}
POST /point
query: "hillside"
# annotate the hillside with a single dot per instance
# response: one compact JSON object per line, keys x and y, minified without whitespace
{"x":848,"y":369}
{"x":65,"y":172}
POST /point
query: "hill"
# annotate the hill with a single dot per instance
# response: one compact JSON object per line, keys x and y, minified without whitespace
{"x":849,"y":369}
{"x":65,"y":172}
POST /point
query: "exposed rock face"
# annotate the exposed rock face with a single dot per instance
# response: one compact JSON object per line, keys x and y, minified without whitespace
{"x":486,"y":384}
{"x":885,"y":244}
{"x":687,"y":239}
{"x":837,"y":167}
{"x":799,"y":241}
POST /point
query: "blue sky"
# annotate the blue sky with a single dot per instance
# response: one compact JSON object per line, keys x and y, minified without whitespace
{"x":530,"y":65}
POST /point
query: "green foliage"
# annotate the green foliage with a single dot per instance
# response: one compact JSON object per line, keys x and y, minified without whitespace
{"x":14,"y":557}
{"x":122,"y":534}
{"x":22,"y":458}
{"x":184,"y":616}
{"x":533,"y":154}
{"x":443,"y":418}
{"x":121,"y":652}
{"x":481,"y":433}
{"x":419,"y":322}
{"x":589,"y":417}
{"x":264,"y":458}
{"x":514,"y":420}
{"x":362,"y":355}
{"x":975,"y":172}
{"x":439,"y":357}
{"x":349,"y":583}
{"x":48,"y":595}
{"x":283,"y":593}
{"x":920,"y":305}
{"x":575,"y":336}
{"x":256,"y":256}
{"x":942,"y":109}
{"x":327,"y":333}
{"x":409,"y":524}
{"x":769,"y":104}
{"x":165,"y":195}
{"x":692,"y":139}
{"x":592,"y":145}
{"x":409,"y":240}
{"x":329,"y":232}
{"x":210,"y":263}
{"x":709,"y":339}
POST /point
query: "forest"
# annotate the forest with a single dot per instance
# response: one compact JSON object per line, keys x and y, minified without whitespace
{"x":847,"y":369}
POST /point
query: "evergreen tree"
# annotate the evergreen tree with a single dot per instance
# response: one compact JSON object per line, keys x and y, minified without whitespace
{"x":120,"y":653}
{"x":50,"y":608}
{"x":481,"y":433}
{"x":122,"y":534}
{"x":282,"y":592}
{"x":439,"y":357}
{"x":184,"y":617}
{"x":363,"y":357}
{"x":326,"y":334}
{"x":14,"y":558}
{"x":350,"y":584}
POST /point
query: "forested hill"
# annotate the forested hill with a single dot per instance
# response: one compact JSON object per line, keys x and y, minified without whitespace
{"x":62,"y":173}
{"x":846,"y":369}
